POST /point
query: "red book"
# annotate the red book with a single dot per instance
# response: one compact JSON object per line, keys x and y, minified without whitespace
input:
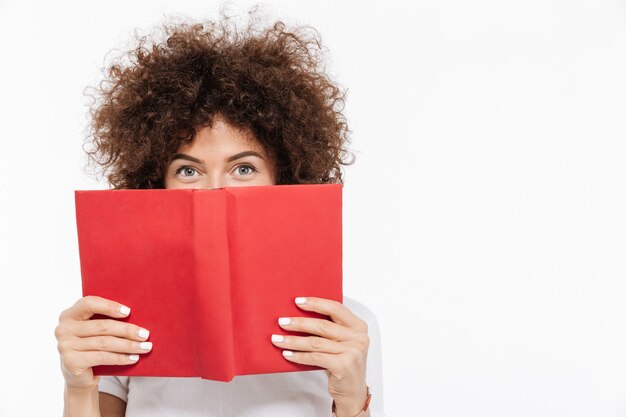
{"x":209,"y":272}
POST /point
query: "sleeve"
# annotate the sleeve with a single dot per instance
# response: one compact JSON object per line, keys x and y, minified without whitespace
{"x":374,"y":371}
{"x":114,"y":385}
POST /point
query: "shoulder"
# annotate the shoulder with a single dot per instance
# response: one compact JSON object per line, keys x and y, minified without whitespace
{"x":114,"y":385}
{"x":360,"y":310}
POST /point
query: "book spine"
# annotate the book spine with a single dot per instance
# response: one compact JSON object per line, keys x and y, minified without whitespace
{"x":212,"y":278}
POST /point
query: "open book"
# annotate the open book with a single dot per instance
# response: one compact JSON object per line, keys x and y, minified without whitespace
{"x":209,"y":272}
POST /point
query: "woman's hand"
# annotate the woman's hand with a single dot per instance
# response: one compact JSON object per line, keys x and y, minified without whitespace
{"x":85,"y":343}
{"x":340,"y":346}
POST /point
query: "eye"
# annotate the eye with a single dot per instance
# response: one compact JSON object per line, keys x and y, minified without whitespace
{"x":245,"y":170}
{"x":186,"y":171}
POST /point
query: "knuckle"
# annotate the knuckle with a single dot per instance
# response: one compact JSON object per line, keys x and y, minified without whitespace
{"x":70,"y":366}
{"x":102,"y":326}
{"x":101,"y":357}
{"x":103,"y":342}
{"x":129,"y":331}
{"x":89,"y":302}
{"x":316,"y":357}
{"x":324,"y":327}
{"x":363,"y":341}
{"x":111,"y":307}
{"x":60,"y":331}
{"x":63,"y":346}
{"x":336,"y":306}
{"x":364,"y":327}
{"x":86,"y":299}
{"x":354,"y":354}
{"x":316,"y":343}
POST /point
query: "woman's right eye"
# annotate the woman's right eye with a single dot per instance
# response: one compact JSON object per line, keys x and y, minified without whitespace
{"x":186,"y":171}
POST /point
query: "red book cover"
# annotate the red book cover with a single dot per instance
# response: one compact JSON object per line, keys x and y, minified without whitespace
{"x":209,"y":272}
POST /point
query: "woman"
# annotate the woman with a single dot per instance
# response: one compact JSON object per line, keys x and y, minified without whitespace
{"x":214,"y":106}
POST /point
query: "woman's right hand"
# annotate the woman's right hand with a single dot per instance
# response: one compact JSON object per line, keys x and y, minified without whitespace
{"x":84,"y":343}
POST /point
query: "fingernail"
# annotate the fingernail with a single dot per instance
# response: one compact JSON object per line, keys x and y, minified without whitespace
{"x":143,"y":333}
{"x":277,"y":338}
{"x":300,"y":300}
{"x":284,"y":321}
{"x":287,"y":353}
{"x":124,"y":310}
{"x":145,"y":345}
{"x":133,"y":358}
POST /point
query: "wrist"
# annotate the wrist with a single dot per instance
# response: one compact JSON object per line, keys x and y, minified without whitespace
{"x":352,"y":406}
{"x":81,"y":402}
{"x":78,"y":391}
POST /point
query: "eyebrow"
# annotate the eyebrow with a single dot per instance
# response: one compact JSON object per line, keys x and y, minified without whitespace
{"x":242,"y":154}
{"x":230,"y":158}
{"x":187,"y":157}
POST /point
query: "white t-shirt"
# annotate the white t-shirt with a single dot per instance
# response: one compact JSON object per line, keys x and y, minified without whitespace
{"x":287,"y":394}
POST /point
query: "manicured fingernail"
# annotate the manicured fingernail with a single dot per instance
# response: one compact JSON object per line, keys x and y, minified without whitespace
{"x":287,"y":353}
{"x":124,"y":310}
{"x":145,"y":345}
{"x":143,"y":333}
{"x":133,"y":358}
{"x":284,"y":321}
{"x":300,"y":300}
{"x":277,"y":338}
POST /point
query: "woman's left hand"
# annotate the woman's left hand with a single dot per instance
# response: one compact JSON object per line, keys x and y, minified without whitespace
{"x":340,"y":346}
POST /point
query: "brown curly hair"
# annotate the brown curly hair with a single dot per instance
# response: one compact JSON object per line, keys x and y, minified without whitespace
{"x":270,"y":81}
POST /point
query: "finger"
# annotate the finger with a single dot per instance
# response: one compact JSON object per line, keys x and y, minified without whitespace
{"x":87,"y":306}
{"x":323,"y":360}
{"x":108,"y":328}
{"x":85,"y":360}
{"x":334,"y":309}
{"x":111,"y":344}
{"x":320,"y":327}
{"x":307,"y":343}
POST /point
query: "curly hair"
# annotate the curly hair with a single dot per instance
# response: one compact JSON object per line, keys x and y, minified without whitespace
{"x":270,"y":81}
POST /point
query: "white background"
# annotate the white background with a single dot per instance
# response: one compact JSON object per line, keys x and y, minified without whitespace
{"x":484,"y":218}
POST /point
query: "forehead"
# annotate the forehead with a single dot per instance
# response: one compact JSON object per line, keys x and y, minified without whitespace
{"x":221,"y":137}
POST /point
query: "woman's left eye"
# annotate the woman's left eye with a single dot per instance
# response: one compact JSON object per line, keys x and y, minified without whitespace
{"x":245,"y":170}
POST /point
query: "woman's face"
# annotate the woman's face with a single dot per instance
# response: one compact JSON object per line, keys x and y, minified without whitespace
{"x":220,"y":156}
